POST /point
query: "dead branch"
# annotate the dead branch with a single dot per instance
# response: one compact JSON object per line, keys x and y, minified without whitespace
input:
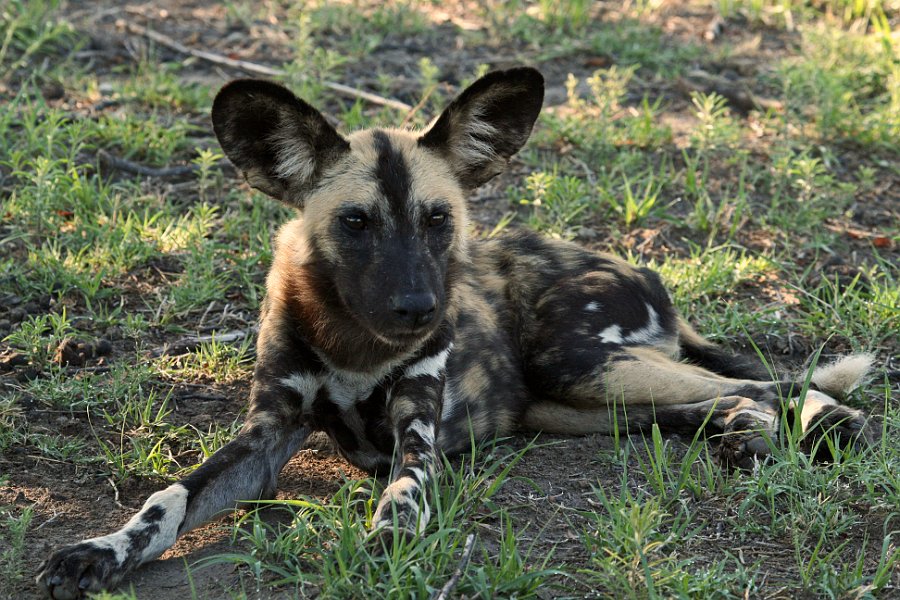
{"x":251,"y":67}
{"x":116,"y":498}
{"x":736,"y":93}
{"x":457,"y":575}
{"x":191,"y":343}
{"x":122,"y":164}
{"x":412,"y":112}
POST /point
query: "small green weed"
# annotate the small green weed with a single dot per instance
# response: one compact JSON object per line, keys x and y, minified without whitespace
{"x":12,"y":539}
{"x":326,"y":547}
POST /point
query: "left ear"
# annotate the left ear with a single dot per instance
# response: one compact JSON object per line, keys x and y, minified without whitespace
{"x":280,"y":143}
{"x":486,"y":124}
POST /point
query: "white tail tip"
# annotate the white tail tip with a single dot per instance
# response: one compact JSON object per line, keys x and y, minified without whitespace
{"x":843,"y":375}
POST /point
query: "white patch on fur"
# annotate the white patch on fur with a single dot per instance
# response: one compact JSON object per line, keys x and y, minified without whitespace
{"x":347,"y":388}
{"x":173,"y":501}
{"x":293,"y":156}
{"x":304,"y":384}
{"x":117,"y":542}
{"x":431,"y":365}
{"x":760,"y":416}
{"x":418,"y":473}
{"x":425,"y":431}
{"x":647,"y":334}
{"x":450,"y":401}
{"x":591,"y":307}
{"x":611,"y":335}
{"x":844,"y":375}
{"x":472,"y":147}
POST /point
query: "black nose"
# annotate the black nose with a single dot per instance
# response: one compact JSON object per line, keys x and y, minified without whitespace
{"x":414,"y":310}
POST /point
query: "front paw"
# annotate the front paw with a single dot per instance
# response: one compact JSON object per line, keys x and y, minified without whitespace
{"x":384,"y":538}
{"x":399,"y":518}
{"x":72,"y":571}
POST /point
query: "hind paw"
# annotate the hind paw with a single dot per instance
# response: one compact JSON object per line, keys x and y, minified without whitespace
{"x":744,"y":448}
{"x":843,"y":426}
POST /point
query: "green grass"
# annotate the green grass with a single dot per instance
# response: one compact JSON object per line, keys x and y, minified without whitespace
{"x":744,"y":215}
{"x":325,"y":547}
{"x":13,"y":528}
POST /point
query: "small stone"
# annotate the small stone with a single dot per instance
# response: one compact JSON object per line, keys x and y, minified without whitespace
{"x":53,"y":90}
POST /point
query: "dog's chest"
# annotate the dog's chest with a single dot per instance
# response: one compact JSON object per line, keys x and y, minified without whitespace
{"x":352,"y":409}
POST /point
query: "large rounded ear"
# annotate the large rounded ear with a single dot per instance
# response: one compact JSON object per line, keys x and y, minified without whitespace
{"x":280,"y":143}
{"x":486,"y":124}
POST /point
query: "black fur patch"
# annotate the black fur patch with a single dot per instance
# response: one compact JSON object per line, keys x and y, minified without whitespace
{"x":327,"y":417}
{"x":392,"y":174}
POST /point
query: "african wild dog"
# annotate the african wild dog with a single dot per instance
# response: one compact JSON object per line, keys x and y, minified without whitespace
{"x":385,"y":326}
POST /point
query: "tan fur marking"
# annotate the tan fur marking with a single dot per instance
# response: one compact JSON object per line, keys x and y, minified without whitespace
{"x":474,"y":382}
{"x":654,"y":378}
{"x":552,"y":417}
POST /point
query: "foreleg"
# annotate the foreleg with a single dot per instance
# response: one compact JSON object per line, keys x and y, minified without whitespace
{"x":413,"y":408}
{"x":246,"y":469}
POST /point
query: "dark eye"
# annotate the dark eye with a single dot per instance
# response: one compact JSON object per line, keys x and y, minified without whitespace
{"x":354,"y":222}
{"x":437,"y":219}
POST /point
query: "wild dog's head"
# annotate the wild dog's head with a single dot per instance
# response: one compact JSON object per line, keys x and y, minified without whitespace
{"x":384,"y":215}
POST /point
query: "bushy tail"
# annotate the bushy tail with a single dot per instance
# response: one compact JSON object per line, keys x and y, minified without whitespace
{"x":843,"y":375}
{"x":700,"y":351}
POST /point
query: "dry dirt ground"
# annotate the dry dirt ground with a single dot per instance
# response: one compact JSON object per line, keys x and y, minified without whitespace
{"x":73,"y":502}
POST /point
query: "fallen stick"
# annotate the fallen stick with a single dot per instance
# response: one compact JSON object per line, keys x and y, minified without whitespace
{"x":412,"y":112}
{"x":122,"y":164}
{"x":736,"y":93}
{"x":191,"y":343}
{"x":252,"y":67}
{"x":457,"y":575}
{"x":116,"y":498}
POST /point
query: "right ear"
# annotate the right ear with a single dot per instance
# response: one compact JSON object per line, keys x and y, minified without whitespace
{"x":280,"y":143}
{"x":487,"y":123}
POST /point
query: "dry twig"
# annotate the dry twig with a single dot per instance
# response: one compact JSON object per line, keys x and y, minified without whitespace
{"x":122,"y":164}
{"x":116,"y":490}
{"x":412,"y":112}
{"x":457,"y":575}
{"x":191,"y":343}
{"x":258,"y":69}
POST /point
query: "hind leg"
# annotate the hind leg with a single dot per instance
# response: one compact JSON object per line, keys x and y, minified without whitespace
{"x":607,"y":342}
{"x":637,"y":375}
{"x":746,"y":429}
{"x":638,"y":387}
